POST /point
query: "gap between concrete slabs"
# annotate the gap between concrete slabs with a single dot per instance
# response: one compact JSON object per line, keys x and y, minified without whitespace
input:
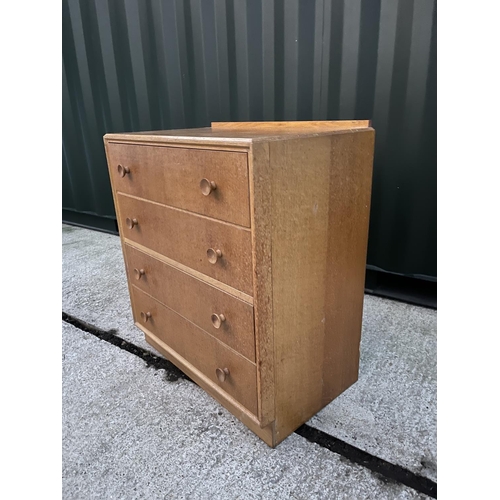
{"x":380,"y":467}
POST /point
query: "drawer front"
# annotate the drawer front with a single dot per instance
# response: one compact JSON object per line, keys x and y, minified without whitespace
{"x":195,"y":300}
{"x":186,"y":238}
{"x":172,"y":176}
{"x":198,"y":348}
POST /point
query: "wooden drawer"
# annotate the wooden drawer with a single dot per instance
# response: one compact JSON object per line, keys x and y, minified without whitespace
{"x":186,"y":238}
{"x":200,"y":349}
{"x":195,"y":300}
{"x":172,"y":176}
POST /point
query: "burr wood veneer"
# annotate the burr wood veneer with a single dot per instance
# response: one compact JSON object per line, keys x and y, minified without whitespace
{"x":245,"y":249}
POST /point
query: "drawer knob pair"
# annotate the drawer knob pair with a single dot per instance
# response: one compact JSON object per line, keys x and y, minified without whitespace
{"x":213,"y":255}
{"x":139,"y":273}
{"x":131,"y":222}
{"x":123,"y":171}
{"x":145,"y":316}
{"x":222,"y":374}
{"x":207,"y":186}
{"x":217,"y":320}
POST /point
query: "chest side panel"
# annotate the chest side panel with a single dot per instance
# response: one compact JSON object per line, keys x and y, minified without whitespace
{"x":300,"y":197}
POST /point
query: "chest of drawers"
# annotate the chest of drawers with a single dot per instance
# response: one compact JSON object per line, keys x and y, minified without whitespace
{"x":245,"y":250}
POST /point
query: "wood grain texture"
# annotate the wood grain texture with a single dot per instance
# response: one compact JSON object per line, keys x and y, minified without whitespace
{"x":199,"y":349}
{"x":307,"y":126}
{"x":261,"y":198}
{"x":231,"y":404}
{"x":172,"y":176}
{"x":234,"y":292}
{"x":348,"y":220}
{"x":195,"y":300}
{"x":300,"y":263}
{"x":300,"y":192}
{"x":186,"y":237}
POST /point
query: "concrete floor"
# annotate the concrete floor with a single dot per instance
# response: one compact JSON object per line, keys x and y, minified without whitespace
{"x":130,"y":433}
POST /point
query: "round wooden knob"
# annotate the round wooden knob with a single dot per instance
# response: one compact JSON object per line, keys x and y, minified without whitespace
{"x":222,"y":374}
{"x":213,"y":255}
{"x":131,"y":222}
{"x":217,"y":320}
{"x":123,"y":171}
{"x":139,"y":273}
{"x":145,"y":316}
{"x":207,"y":186}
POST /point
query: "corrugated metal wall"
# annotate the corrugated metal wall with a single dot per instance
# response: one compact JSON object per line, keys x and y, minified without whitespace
{"x":133,"y":65}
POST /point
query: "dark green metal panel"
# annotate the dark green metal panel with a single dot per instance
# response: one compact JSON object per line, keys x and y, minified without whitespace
{"x":132,"y":65}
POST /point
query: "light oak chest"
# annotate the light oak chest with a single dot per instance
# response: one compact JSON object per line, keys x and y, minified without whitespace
{"x":245,"y":249}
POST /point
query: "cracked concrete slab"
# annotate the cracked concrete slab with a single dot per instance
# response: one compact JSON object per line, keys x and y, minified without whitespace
{"x":130,"y":433}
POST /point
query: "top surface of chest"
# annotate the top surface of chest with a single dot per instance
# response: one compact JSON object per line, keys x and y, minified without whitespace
{"x":238,"y":135}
